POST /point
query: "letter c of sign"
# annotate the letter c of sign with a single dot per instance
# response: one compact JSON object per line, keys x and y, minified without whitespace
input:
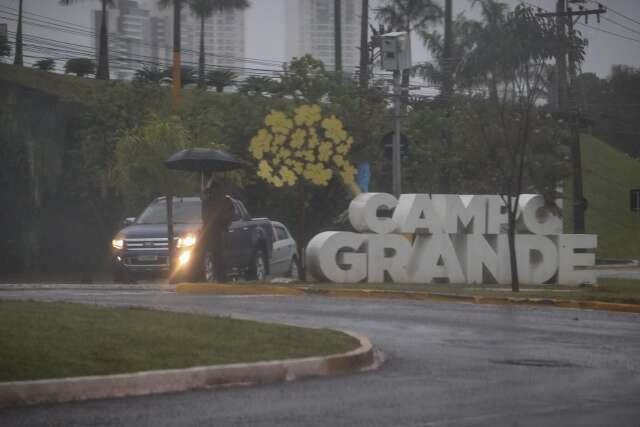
{"x":363,"y":213}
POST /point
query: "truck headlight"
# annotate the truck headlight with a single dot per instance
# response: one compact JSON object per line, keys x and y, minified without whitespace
{"x":117,"y":243}
{"x":187,"y":240}
{"x":184,"y":258}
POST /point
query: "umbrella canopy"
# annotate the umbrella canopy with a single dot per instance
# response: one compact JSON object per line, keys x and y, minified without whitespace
{"x":203,"y":160}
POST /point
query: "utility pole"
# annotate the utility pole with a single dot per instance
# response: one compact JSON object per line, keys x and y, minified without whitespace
{"x":447,"y":88}
{"x":177,"y":8}
{"x":567,"y":100}
{"x":561,"y":60}
{"x":364,"y":45}
{"x":337,"y":18}
{"x":396,"y":57}
{"x":18,"y":58}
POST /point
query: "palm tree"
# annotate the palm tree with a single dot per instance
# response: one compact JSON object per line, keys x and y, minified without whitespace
{"x":408,"y":15}
{"x":103,"y":52}
{"x":203,"y":9}
{"x":465,"y":34}
{"x":187,"y":75}
{"x":18,"y":58}
{"x":487,"y":55}
{"x":149,"y":74}
{"x":48,"y":64}
{"x":258,"y":85}
{"x":221,"y":78}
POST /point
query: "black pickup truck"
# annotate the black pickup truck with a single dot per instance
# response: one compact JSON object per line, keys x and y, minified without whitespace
{"x":141,"y":249}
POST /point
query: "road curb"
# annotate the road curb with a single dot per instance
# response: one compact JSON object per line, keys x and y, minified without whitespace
{"x":21,"y":393}
{"x":220,"y":289}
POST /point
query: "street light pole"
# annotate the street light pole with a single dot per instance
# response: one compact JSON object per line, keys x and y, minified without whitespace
{"x":396,"y":164}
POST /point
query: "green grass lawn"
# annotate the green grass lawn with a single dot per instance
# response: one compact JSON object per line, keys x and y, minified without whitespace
{"x":608,"y":175}
{"x":53,"y":340}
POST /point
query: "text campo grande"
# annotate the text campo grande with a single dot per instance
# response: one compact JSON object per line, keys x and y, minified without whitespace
{"x":453,"y":238}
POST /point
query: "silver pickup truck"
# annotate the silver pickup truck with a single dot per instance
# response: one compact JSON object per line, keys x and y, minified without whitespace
{"x":253,"y":246}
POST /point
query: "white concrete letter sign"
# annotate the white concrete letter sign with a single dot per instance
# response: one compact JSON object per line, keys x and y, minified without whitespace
{"x":449,"y":237}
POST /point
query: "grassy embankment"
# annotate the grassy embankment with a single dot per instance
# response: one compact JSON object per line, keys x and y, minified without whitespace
{"x":54,"y":340}
{"x":608,"y":175}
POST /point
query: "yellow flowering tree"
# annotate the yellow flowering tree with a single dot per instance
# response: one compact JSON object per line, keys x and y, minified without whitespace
{"x":303,"y":147}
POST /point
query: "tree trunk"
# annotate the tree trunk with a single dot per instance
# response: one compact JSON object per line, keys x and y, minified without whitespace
{"x":177,"y":7}
{"x":337,"y":28}
{"x":18,"y":58}
{"x":493,"y":88}
{"x":511,"y":236}
{"x":364,"y":45}
{"x":102,"y":72}
{"x":201,"y":81}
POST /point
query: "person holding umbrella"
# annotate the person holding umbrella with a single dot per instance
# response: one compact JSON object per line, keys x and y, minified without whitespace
{"x":217,"y":207}
{"x":217,"y":215}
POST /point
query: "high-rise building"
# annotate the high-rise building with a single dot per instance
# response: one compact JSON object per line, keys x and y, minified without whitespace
{"x":310,"y":29}
{"x":140,"y":33}
{"x":224,"y":38}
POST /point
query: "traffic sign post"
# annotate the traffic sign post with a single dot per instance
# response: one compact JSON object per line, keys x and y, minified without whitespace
{"x":634,"y":200}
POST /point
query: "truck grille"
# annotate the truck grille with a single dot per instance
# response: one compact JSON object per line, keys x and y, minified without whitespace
{"x":146,"y":244}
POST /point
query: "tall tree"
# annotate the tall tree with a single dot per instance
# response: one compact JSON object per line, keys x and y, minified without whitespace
{"x":486,"y":57}
{"x":102,"y":72}
{"x":18,"y":58}
{"x":408,"y":15}
{"x":221,"y":79}
{"x":364,"y":45}
{"x":522,"y":147}
{"x":464,"y":44}
{"x":203,"y":9}
{"x":80,"y":66}
{"x":177,"y":43}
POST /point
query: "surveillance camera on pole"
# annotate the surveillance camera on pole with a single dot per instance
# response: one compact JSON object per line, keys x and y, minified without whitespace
{"x":396,"y":51}
{"x":396,"y":57}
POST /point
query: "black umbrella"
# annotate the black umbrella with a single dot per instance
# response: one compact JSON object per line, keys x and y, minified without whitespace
{"x":203,"y":160}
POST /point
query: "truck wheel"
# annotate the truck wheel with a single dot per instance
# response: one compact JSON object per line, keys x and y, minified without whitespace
{"x":258,"y":269}
{"x":122,"y":276}
{"x":294,"y":270}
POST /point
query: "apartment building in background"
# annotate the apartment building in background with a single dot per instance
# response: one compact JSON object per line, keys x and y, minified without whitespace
{"x":310,"y":29}
{"x":141,"y":33}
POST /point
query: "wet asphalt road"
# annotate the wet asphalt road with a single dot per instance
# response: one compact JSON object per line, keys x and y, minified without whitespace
{"x":448,"y":364}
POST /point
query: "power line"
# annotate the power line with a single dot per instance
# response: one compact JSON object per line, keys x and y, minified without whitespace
{"x":608,"y":8}
{"x":609,"y":32}
{"x":75,"y":29}
{"x":621,"y":25}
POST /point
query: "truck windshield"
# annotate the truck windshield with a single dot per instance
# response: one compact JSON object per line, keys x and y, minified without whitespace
{"x":184,"y":212}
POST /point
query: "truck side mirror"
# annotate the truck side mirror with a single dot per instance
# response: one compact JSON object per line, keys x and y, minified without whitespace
{"x":128,"y":221}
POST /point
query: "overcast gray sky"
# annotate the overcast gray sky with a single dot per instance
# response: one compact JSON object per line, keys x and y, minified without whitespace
{"x":266,"y":31}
